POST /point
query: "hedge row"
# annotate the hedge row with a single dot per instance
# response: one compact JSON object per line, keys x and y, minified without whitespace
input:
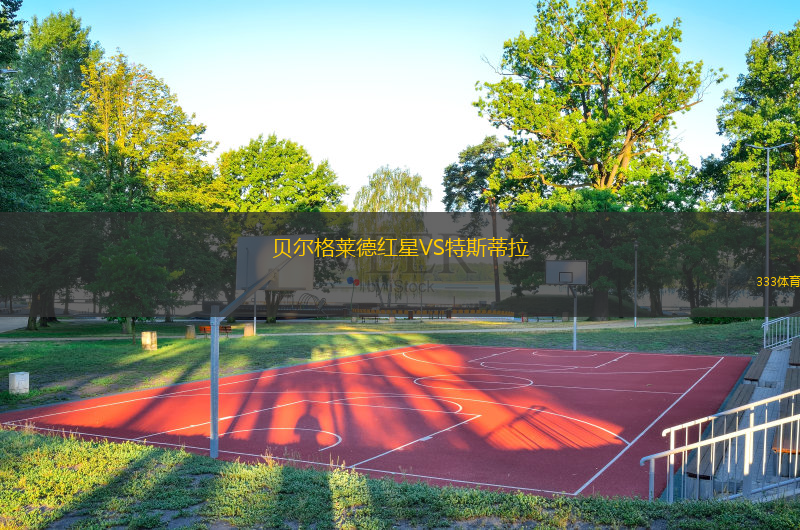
{"x":726,"y":315}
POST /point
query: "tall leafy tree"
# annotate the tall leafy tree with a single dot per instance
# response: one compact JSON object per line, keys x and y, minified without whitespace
{"x":49,"y":83}
{"x":273,"y":175}
{"x":54,"y":52}
{"x":136,"y":148}
{"x":587,"y":96}
{"x":396,"y":199}
{"x":466,"y":189}
{"x":392,"y":190}
{"x":20,"y":190}
{"x":763,"y":110}
{"x":134,"y":275}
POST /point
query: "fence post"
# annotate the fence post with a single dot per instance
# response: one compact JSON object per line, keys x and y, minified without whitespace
{"x":747,"y":486}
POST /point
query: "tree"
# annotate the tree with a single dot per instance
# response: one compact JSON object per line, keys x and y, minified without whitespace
{"x":587,"y":96}
{"x":53,"y":55}
{"x":19,"y":188}
{"x":466,"y":188}
{"x":763,"y":110}
{"x":392,"y":190}
{"x":396,"y":200}
{"x":275,"y":175}
{"x":9,"y":36}
{"x":136,"y":149}
{"x":134,"y":275}
{"x":48,"y":86}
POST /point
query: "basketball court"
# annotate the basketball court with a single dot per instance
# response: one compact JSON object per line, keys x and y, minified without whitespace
{"x":535,"y":420}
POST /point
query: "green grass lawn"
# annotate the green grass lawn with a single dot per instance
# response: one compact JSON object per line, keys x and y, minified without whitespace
{"x":71,"y":370}
{"x":98,"y":484}
{"x":83,"y":484}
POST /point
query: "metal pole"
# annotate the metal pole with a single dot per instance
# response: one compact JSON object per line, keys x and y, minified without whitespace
{"x":635,"y":281}
{"x":766,"y":259}
{"x":214,"y":435}
{"x":574,"y":318}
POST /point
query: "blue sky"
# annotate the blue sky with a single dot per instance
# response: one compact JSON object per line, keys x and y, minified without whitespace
{"x":365,"y":83}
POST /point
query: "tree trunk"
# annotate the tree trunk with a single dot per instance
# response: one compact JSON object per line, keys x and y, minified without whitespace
{"x":167,"y":314}
{"x":133,"y":330}
{"x":619,"y":297}
{"x":272,"y":299}
{"x":494,"y":255}
{"x":691,"y":291}
{"x":49,"y":308}
{"x":599,"y":304}
{"x":33,"y":313}
{"x":656,"y":308}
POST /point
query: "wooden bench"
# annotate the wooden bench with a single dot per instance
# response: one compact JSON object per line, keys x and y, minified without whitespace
{"x":753,"y":374}
{"x":526,"y":317}
{"x":794,"y":355}
{"x":711,"y":456}
{"x":206,"y":330}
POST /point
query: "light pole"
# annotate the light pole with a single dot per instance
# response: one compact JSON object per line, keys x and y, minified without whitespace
{"x":635,"y":280}
{"x":766,"y":258}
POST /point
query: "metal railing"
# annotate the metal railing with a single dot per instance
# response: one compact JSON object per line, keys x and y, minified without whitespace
{"x":733,"y":453}
{"x":780,"y":331}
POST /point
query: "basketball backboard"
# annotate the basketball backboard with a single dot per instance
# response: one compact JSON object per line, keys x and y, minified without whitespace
{"x":559,"y":272}
{"x":256,"y":256}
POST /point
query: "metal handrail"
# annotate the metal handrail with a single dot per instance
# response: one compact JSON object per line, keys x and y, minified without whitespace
{"x":742,"y":408}
{"x":791,"y":331}
{"x":747,"y":457}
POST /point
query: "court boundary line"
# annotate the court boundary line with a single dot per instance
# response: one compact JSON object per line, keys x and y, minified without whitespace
{"x":203,"y":383}
{"x":609,"y":464}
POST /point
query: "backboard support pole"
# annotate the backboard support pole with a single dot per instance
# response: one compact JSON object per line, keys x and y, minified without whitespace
{"x":216,"y":318}
{"x":214,"y":444}
{"x":574,"y":318}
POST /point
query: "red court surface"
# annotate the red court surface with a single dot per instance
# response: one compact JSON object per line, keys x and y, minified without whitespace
{"x":539,"y":421}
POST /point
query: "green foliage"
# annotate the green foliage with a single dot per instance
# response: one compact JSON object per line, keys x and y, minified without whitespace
{"x":275,"y":175}
{"x":133,"y":277}
{"x":466,"y":182}
{"x":763,"y":110}
{"x":8,"y":31}
{"x":392,"y":190}
{"x":587,"y":97}
{"x":135,"y":148}
{"x":726,"y":315}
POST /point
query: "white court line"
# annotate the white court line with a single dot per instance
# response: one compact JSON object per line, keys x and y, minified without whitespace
{"x":296,"y":403}
{"x":294,"y":429}
{"x":297,"y":460}
{"x":645,"y":430}
{"x":611,"y":361}
{"x":536,"y":354}
{"x":426,"y":437}
{"x":528,"y":365}
{"x":493,"y":355}
{"x":181,"y":392}
{"x":347,"y":399}
{"x":221,"y":419}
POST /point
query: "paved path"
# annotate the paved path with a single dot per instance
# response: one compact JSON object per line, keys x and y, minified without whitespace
{"x":9,"y":323}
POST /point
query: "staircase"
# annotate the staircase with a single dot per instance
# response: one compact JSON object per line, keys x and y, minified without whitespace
{"x":751,"y":450}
